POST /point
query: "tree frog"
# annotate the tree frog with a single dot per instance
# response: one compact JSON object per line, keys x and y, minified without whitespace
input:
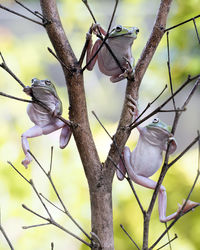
{"x":45,"y":121}
{"x":120,"y":41}
{"x":147,"y":158}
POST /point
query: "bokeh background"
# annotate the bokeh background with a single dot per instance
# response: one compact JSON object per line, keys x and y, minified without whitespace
{"x":24,"y":46}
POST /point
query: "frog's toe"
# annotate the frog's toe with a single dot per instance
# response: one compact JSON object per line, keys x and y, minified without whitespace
{"x":27,"y":160}
{"x":189,"y":205}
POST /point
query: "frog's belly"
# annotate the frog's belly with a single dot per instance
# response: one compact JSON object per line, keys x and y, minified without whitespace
{"x":37,"y":117}
{"x":148,"y":163}
{"x":107,"y":63}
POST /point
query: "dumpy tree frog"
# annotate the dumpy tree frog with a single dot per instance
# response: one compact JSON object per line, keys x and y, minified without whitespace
{"x":45,"y":120}
{"x":147,"y":158}
{"x":120,"y":41}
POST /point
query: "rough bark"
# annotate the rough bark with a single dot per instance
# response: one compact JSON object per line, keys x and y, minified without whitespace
{"x":99,"y":176}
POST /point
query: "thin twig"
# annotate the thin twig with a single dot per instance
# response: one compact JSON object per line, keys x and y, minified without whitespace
{"x":18,"y":14}
{"x":58,"y":196}
{"x":37,"y":225}
{"x":51,"y":161}
{"x":61,"y":62}
{"x":184,"y":151}
{"x":169,"y":242}
{"x":169,"y":71}
{"x":196,"y":30}
{"x":18,"y":172}
{"x":15,"y":98}
{"x":165,"y":102}
{"x":35,"y":13}
{"x":148,"y":106}
{"x":5,"y":235}
{"x":177,"y":116}
{"x":122,"y":227}
{"x":5,"y":67}
{"x":52,"y":203}
{"x":179,"y":24}
{"x":52,"y":222}
{"x":168,"y":236}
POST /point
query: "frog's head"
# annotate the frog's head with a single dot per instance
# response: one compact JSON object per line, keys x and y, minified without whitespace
{"x":125,"y":31}
{"x":158,"y":131}
{"x":157,"y":124}
{"x":42,"y":84}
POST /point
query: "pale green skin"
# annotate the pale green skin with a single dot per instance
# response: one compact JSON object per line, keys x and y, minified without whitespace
{"x":147,"y":158}
{"x":120,"y":43}
{"x":45,"y":121}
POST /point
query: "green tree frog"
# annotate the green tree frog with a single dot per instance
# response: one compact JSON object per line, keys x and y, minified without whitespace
{"x":45,"y":121}
{"x":120,"y":41}
{"x":147,"y":158}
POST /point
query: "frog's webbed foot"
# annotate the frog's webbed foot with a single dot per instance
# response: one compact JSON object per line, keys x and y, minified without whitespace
{"x":129,"y":70}
{"x":27,"y":90}
{"x":27,"y":160}
{"x":93,"y":29}
{"x":189,"y":205}
{"x":132,"y":105}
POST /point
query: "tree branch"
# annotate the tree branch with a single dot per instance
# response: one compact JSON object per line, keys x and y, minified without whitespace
{"x":132,"y":89}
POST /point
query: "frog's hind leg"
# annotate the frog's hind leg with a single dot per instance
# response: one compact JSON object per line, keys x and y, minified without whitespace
{"x":30,"y":133}
{"x":65,"y":136}
{"x":65,"y":132}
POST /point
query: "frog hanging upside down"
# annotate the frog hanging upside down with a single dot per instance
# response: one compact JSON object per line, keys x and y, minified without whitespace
{"x":45,"y":119}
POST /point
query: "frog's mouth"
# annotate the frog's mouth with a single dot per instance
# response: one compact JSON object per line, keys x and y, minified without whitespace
{"x":159,"y":131}
{"x":37,"y":83}
{"x":127,"y":34}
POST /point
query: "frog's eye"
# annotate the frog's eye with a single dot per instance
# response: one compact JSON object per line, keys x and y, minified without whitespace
{"x":48,"y":82}
{"x":137,"y":31}
{"x":118,"y":28}
{"x":156,"y":120}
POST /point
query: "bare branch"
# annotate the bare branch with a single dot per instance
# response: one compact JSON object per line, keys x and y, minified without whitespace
{"x":175,"y":237}
{"x":35,"y":13}
{"x":15,"y":98}
{"x":61,"y":62}
{"x":5,"y":67}
{"x":190,"y":79}
{"x":58,"y":195}
{"x":169,"y":71}
{"x":196,"y":30}
{"x":148,"y":106}
{"x":122,"y":227}
{"x":37,"y":225}
{"x":5,"y":235}
{"x":18,"y":14}
{"x":179,"y":24}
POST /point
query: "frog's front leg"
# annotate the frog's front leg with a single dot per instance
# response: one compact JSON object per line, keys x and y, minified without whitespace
{"x":129,"y":69}
{"x":91,"y":50}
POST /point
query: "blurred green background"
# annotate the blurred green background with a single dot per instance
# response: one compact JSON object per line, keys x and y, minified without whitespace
{"x":24,"y":46}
